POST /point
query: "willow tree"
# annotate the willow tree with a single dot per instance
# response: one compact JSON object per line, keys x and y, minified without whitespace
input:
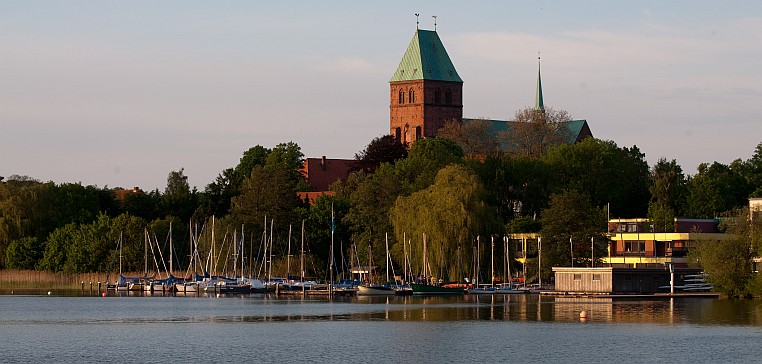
{"x":451,"y":213}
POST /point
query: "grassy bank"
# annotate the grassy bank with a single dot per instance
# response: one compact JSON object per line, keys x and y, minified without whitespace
{"x":31,"y":279}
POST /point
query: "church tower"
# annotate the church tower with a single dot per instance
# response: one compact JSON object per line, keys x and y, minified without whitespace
{"x":425,"y":92}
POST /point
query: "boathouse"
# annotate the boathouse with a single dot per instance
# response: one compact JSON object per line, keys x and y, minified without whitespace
{"x":618,"y":280}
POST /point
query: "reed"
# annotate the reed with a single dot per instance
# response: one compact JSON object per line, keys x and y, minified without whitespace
{"x":32,"y":279}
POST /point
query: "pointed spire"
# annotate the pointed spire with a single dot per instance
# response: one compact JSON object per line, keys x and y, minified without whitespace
{"x":538,"y":104}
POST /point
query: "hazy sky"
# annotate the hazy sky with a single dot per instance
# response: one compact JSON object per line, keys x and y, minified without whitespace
{"x":121,"y":93}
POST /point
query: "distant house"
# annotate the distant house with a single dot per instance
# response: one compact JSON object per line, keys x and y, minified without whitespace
{"x":635,"y":244}
{"x":321,"y":173}
{"x":122,"y":193}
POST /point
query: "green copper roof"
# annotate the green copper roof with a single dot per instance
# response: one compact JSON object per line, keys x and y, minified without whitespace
{"x":538,"y":104}
{"x":573,"y":128}
{"x":426,"y":59}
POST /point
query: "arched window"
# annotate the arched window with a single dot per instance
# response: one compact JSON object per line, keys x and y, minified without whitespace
{"x":437,"y":96}
{"x":402,"y":97}
{"x":411,"y":96}
{"x":448,"y":97}
{"x":398,"y":134}
{"x":417,"y":132}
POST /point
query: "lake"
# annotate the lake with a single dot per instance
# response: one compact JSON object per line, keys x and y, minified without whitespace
{"x":77,"y":328}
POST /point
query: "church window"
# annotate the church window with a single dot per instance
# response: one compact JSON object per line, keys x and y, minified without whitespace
{"x":417,"y":132}
{"x":437,"y":96}
{"x":402,"y":97}
{"x":448,"y":97}
{"x":398,"y":134}
{"x":411,"y":97}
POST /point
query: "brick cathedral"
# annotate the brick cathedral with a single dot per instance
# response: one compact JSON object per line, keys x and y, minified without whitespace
{"x":425,"y":92}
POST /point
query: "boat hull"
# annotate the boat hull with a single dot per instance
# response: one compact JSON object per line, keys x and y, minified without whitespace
{"x":375,"y":291}
{"x":425,"y":289}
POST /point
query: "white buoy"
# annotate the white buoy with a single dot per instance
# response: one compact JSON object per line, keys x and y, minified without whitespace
{"x":50,"y":293}
{"x":583,"y":314}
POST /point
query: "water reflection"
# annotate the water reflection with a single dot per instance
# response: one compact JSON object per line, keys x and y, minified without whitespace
{"x":203,"y":307}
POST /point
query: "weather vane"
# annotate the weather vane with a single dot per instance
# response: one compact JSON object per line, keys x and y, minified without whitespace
{"x":435,"y":22}
{"x":416,"y":21}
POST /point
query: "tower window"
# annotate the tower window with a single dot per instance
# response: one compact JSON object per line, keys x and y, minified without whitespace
{"x":402,"y":97}
{"x":448,"y":97}
{"x":398,"y":134}
{"x":411,"y":97}
{"x":437,"y":96}
{"x":417,"y":132}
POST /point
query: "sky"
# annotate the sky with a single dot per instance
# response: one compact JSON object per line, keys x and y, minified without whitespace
{"x":119,"y":94}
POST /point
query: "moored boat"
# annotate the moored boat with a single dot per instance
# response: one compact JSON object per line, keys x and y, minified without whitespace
{"x":426,"y":289}
{"x":375,"y":290}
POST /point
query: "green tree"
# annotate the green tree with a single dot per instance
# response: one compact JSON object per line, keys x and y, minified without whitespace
{"x":605,"y":172}
{"x":451,"y":212}
{"x":24,"y":253}
{"x":516,"y":186}
{"x":668,"y":186}
{"x":178,"y":198}
{"x":267,"y":193}
{"x":568,"y":224}
{"x":728,"y":262}
{"x":715,"y":189}
{"x":254,"y":156}
{"x":425,"y":159}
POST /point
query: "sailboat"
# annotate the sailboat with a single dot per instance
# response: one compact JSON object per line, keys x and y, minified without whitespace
{"x":375,"y":289}
{"x":430,"y":288}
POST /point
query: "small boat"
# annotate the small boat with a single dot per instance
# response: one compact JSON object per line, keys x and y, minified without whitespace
{"x":426,"y":289}
{"x":375,"y":290}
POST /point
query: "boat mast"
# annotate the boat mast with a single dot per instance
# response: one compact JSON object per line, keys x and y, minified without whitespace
{"x":301,"y":263}
{"x":333,"y":227}
{"x":270,"y":271}
{"x":492,"y":261}
{"x":288,"y":256}
{"x":425,"y":261}
{"x":387,"y":258}
{"x":170,"y":249}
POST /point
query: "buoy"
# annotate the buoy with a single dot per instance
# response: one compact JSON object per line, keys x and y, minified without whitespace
{"x":50,"y":293}
{"x":104,"y":294}
{"x":583,"y":314}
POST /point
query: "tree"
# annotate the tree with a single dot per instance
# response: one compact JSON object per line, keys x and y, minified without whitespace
{"x":24,"y":253}
{"x":532,"y":132}
{"x":270,"y":193}
{"x":474,"y":137}
{"x":178,"y":198}
{"x":715,"y":189}
{"x":324,"y":214}
{"x":425,"y":159}
{"x":516,"y":186}
{"x":568,"y":224}
{"x":254,"y":156}
{"x":289,"y":156}
{"x":370,"y":197}
{"x":451,"y":213}
{"x":668,"y":186}
{"x":608,"y":174}
{"x":218,"y":195}
{"x":383,"y":149}
{"x":728,"y":262}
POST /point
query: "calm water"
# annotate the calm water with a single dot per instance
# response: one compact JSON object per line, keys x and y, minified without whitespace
{"x":263,"y":328}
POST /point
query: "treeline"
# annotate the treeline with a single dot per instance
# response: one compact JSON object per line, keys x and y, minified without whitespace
{"x":564,"y":191}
